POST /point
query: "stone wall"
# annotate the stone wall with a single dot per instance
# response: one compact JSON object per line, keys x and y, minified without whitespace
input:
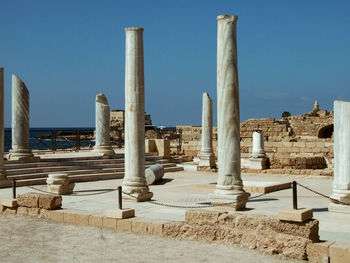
{"x":265,"y":233}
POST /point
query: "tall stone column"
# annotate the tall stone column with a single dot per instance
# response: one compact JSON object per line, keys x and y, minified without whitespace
{"x":2,"y":131}
{"x":135,"y":181}
{"x":20,"y":121}
{"x":341,"y":180}
{"x":229,"y":186}
{"x":102,"y":126}
{"x":206,"y":156}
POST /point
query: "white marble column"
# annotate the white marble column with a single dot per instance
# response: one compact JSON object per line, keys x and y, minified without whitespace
{"x":341,"y":179}
{"x":20,"y":121}
{"x":135,"y":181}
{"x":206,"y":156}
{"x":229,"y":186}
{"x":258,"y":145}
{"x":2,"y":131}
{"x":102,"y":144}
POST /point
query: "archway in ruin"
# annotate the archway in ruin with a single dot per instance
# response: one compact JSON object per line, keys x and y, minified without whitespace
{"x":326,"y":131}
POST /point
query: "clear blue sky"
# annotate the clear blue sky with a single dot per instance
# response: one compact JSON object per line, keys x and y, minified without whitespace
{"x":67,"y":51}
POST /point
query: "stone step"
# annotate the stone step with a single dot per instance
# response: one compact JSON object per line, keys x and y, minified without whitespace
{"x":87,"y":177}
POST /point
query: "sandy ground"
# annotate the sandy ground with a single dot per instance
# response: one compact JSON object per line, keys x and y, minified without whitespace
{"x":34,"y":240}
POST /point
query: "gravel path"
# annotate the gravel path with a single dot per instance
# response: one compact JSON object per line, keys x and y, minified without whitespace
{"x":34,"y":240}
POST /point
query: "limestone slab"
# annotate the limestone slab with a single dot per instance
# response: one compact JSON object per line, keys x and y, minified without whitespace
{"x":339,"y":252}
{"x":9,"y":202}
{"x":109,"y":222}
{"x":95,"y":220}
{"x":318,"y":252}
{"x":120,"y":213}
{"x":295,"y":215}
{"x":125,"y":224}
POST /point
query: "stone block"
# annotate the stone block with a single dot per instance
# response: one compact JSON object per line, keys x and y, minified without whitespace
{"x":2,"y":209}
{"x":95,"y":220}
{"x":9,"y":202}
{"x":318,"y":252}
{"x":140,"y":225}
{"x":10,"y":211}
{"x":33,"y":211}
{"x":120,"y":213}
{"x":339,"y":252}
{"x":156,"y":227}
{"x":22,"y":211}
{"x":108,"y":222}
{"x":50,"y":202}
{"x":299,"y":215}
{"x":44,"y":213}
{"x":69,"y":217}
{"x":81,"y":219}
{"x":28,"y":200}
{"x":124,"y":224}
{"x":56,"y":215}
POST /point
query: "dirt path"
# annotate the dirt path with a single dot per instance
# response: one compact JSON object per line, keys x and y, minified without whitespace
{"x":34,"y":240}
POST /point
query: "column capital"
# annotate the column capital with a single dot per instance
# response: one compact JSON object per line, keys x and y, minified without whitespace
{"x":232,"y":18}
{"x":133,"y":29}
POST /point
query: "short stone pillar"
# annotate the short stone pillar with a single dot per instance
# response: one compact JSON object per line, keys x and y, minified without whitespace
{"x":58,"y":183}
{"x":102,"y":126}
{"x":2,"y":131}
{"x":154,"y":173}
{"x":134,"y":180}
{"x":20,"y":122}
{"x":206,"y":155}
{"x":258,"y":157}
{"x":229,"y":186}
{"x":341,"y":179}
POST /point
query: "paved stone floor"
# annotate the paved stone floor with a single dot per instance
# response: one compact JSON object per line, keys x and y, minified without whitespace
{"x":189,"y":188}
{"x":34,"y":240}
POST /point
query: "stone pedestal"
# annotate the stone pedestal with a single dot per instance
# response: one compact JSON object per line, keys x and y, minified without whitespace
{"x":229,"y":186}
{"x":341,"y":181}
{"x":102,"y":126}
{"x":20,"y":122}
{"x":2,"y":131}
{"x":258,"y":159}
{"x":59,"y":184}
{"x":206,"y":156}
{"x":134,"y":180}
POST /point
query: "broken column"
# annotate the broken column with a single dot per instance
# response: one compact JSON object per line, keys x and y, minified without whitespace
{"x":20,"y":121}
{"x":59,"y":183}
{"x":229,"y":186}
{"x":206,"y":156}
{"x":258,"y":157}
{"x":341,"y":180}
{"x":102,"y":126}
{"x":2,"y":131}
{"x":135,"y":181}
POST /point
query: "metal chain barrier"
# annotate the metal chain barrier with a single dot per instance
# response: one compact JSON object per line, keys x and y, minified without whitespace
{"x":323,"y":195}
{"x":74,"y":194}
{"x":193,"y":206}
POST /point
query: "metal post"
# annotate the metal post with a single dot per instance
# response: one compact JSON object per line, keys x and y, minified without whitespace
{"x":53,"y":141}
{"x":14,"y":188}
{"x":77,"y":145}
{"x":120,"y":200}
{"x":295,"y":197}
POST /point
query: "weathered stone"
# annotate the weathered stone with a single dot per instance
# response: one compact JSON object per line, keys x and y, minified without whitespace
{"x":95,"y":220}
{"x":108,"y":222}
{"x":10,"y":211}
{"x":2,"y":132}
{"x":50,"y":202}
{"x":318,"y":252}
{"x":28,"y":200}
{"x":22,"y":211}
{"x":229,"y":186}
{"x":339,"y":252}
{"x":120,"y":213}
{"x":9,"y":202}
{"x":59,"y":184}
{"x":102,"y":126}
{"x":295,"y":215}
{"x":154,"y":173}
{"x":134,"y":180}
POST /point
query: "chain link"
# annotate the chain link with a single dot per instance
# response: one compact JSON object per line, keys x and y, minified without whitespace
{"x":323,"y":195}
{"x":74,"y":193}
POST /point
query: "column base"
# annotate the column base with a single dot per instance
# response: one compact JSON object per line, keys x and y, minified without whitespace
{"x":22,"y":155}
{"x":341,"y":195}
{"x":257,"y":163}
{"x":221,"y":197}
{"x":104,"y":150}
{"x":206,"y":162}
{"x":139,"y":194}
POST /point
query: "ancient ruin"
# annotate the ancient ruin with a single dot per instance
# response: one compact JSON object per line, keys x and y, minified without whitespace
{"x":2,"y":166}
{"x":134,"y":180}
{"x":102,"y":126}
{"x":20,"y":121}
{"x":229,"y":185}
